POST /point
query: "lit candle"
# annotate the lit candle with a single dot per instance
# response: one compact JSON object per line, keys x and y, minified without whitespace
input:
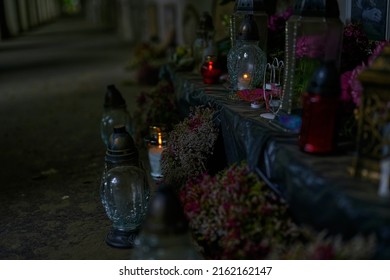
{"x":244,"y":81}
{"x":210,"y":70}
{"x":155,"y":157}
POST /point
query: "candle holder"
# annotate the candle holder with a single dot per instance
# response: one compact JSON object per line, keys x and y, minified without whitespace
{"x":115,"y":113}
{"x":156,"y":144}
{"x":320,"y":110}
{"x":210,"y":70}
{"x":246,"y":61}
{"x":203,"y":44}
{"x":255,"y":8}
{"x":272,"y":88}
{"x":165,"y":234}
{"x":124,"y":191}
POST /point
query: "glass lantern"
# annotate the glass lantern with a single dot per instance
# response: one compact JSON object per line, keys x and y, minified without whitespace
{"x":124,"y":190}
{"x":115,"y":113}
{"x":256,"y":8}
{"x":164,"y":234}
{"x":246,"y":61}
{"x":210,"y":70}
{"x":204,"y":41}
{"x":372,"y":160}
{"x":313,"y":34}
{"x":320,"y":111}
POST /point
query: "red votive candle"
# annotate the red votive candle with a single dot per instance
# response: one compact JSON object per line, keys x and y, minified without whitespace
{"x":210,"y":70}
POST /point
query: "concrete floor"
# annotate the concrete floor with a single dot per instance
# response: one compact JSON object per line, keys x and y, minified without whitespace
{"x":52,"y":86}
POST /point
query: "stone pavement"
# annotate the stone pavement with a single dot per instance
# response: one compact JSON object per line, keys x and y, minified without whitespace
{"x":52,"y":85}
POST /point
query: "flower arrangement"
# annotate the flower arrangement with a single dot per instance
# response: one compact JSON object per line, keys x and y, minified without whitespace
{"x":314,"y":245}
{"x":234,"y":215}
{"x":308,"y":53}
{"x":189,"y":146}
{"x":157,"y":106}
{"x":356,"y":47}
{"x":350,"y":84}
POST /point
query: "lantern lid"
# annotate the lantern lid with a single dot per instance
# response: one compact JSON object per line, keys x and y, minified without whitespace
{"x":248,"y":30}
{"x":121,"y":147}
{"x":113,"y":98}
{"x":317,"y":8}
{"x":166,"y":215}
{"x":379,"y":70}
{"x":325,"y":80}
{"x":249,"y":6}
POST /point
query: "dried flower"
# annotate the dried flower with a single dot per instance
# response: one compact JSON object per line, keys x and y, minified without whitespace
{"x":356,"y":47}
{"x":234,"y":215}
{"x":351,"y":87}
{"x":310,"y":46}
{"x":157,"y":106}
{"x":237,"y":212}
{"x":189,"y":145}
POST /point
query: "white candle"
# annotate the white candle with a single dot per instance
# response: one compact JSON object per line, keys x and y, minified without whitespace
{"x":155,"y":159}
{"x":244,"y":81}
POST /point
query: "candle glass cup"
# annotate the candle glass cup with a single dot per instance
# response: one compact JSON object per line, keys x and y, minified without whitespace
{"x":156,"y":144}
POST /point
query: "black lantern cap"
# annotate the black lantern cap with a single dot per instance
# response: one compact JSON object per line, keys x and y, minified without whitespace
{"x":121,"y":147}
{"x":317,"y":8}
{"x":325,"y":80}
{"x":113,"y":98}
{"x":248,"y":29}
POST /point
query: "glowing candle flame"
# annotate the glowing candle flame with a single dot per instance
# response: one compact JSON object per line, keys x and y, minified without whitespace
{"x":159,"y":139}
{"x":210,"y":65}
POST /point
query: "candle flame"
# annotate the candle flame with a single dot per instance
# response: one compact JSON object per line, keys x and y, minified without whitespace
{"x":246,"y":76}
{"x":159,"y":139}
{"x":210,"y":65}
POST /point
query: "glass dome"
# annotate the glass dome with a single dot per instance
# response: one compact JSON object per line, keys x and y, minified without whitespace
{"x":125,"y":196}
{"x":246,"y":61}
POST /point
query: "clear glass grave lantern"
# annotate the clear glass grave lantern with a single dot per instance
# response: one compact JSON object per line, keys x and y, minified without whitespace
{"x":256,"y":8}
{"x":115,"y":113}
{"x":313,"y":34}
{"x":124,"y":190}
{"x":165,"y":234}
{"x":246,"y":61}
{"x":373,"y":142}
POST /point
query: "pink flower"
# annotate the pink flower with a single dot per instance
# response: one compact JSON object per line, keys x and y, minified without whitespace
{"x":346,"y":87}
{"x":356,"y":86}
{"x":351,"y":88}
{"x":277,"y":22}
{"x":310,"y":46}
{"x":377,"y":51}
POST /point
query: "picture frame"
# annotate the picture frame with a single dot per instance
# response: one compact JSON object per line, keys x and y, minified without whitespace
{"x":373,"y":14}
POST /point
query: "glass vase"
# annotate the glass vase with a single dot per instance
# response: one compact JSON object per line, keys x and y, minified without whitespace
{"x":313,"y":35}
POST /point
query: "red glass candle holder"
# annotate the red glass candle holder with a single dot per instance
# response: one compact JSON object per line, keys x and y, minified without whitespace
{"x":320,"y":111}
{"x":210,"y":70}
